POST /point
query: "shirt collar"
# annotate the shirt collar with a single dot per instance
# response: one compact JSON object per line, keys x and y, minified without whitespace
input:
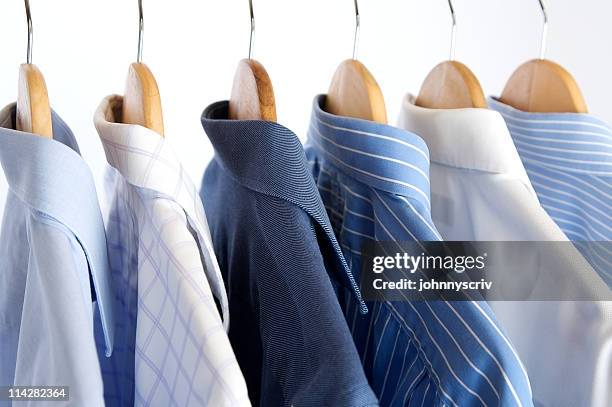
{"x":471,"y":139}
{"x":384,"y":157}
{"x":268,"y":158}
{"x":146,"y":160}
{"x":573,"y":142}
{"x":50,"y":177}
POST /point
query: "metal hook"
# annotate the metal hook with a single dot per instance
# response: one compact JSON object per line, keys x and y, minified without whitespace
{"x":357,"y":29}
{"x":544,"y":30}
{"x":30,"y":32}
{"x":140,"y":32}
{"x":252,"y":37}
{"x":453,"y":31}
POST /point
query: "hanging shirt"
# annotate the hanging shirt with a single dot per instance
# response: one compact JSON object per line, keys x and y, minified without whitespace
{"x":568,"y":158}
{"x":481,"y":192}
{"x":52,"y":239}
{"x":278,"y":253}
{"x":171,"y":345}
{"x":374,"y":180}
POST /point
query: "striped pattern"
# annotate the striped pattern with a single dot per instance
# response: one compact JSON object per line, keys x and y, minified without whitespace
{"x":568,"y":158}
{"x":171,"y":347}
{"x":280,"y":260}
{"x":374,"y":182}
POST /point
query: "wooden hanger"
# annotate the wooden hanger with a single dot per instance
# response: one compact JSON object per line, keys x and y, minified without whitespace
{"x":33,"y":108}
{"x":141,"y":99}
{"x":252,"y":91}
{"x":353,"y":91}
{"x":543,"y":86}
{"x":451,"y":84}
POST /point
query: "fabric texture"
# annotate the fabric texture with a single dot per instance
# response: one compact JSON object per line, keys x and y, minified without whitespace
{"x":172,"y":311}
{"x":568,"y":158}
{"x":52,"y":238}
{"x":481,"y":192}
{"x":374,"y":180}
{"x":281,"y":262}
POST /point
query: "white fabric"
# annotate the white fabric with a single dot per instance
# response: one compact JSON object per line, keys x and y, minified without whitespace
{"x":159,"y":237}
{"x":481,"y":192}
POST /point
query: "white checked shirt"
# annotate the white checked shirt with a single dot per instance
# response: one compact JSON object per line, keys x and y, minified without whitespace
{"x":171,"y":344}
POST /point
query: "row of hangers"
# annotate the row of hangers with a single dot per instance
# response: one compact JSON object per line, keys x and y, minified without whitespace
{"x":539,"y":85}
{"x":141,"y":99}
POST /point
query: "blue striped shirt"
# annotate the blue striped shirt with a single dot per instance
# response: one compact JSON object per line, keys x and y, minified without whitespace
{"x":374,"y":181}
{"x":568,"y":158}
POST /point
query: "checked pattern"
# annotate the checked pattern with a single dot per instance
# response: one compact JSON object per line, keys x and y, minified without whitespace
{"x":171,"y":345}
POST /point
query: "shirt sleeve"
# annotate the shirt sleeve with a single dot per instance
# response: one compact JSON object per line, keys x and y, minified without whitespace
{"x":308,"y":353}
{"x":56,"y":342}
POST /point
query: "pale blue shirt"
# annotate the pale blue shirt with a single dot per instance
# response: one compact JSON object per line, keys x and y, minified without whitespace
{"x":52,"y":240}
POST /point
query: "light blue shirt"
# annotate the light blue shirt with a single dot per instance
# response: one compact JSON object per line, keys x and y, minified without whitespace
{"x":52,"y":239}
{"x":568,"y":158}
{"x":374,"y":181}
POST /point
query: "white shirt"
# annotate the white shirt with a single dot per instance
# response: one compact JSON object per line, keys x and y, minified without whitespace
{"x":481,"y":192}
{"x":171,"y":345}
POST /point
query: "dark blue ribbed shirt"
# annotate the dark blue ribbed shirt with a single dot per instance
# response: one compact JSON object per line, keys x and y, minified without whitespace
{"x":280,"y":262}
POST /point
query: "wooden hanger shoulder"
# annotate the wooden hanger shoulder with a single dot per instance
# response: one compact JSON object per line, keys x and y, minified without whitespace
{"x":451,"y":85}
{"x":252,"y":93}
{"x":141,"y":101}
{"x":355,"y":93}
{"x":543,"y":86}
{"x":33,"y":108}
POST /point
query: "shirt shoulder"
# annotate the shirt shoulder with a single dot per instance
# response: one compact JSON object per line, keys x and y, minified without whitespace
{"x":284,"y":264}
{"x":57,"y":289}
{"x":293,"y":274}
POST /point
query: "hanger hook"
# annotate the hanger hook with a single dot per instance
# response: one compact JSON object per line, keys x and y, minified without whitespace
{"x":453,"y":31}
{"x":140,"y":32}
{"x":357,"y":29}
{"x":30,"y":32}
{"x":252,"y":37}
{"x":544,"y":30}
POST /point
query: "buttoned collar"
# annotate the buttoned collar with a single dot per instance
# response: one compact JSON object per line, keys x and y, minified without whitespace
{"x":268,"y":158}
{"x":49,"y":176}
{"x":470,"y":139}
{"x":573,"y":142}
{"x":381,"y":156}
{"x":145,"y":159}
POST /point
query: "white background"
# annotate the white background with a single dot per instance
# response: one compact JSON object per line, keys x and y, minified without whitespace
{"x":84,"y":47}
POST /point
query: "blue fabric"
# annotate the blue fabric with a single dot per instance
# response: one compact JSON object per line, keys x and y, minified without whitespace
{"x":52,"y":240}
{"x":374,"y":181}
{"x":568,"y":158}
{"x":277,"y":254}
